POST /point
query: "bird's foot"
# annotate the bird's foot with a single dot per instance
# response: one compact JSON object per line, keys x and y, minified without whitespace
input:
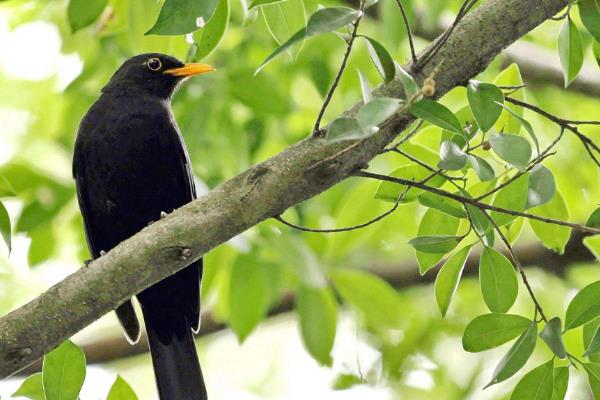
{"x":86,"y":263}
{"x":102,"y":252}
{"x":163,"y":214}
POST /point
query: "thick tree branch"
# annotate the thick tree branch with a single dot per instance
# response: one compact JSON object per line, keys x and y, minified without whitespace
{"x":296,"y":174}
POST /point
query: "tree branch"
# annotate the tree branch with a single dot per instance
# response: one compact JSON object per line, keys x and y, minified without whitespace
{"x":266,"y":190}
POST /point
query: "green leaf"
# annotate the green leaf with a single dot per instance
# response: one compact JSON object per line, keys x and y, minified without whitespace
{"x":451,"y":156}
{"x":255,"y":3}
{"x":594,"y":219}
{"x":444,"y":204}
{"x":178,"y":17}
{"x":512,"y":149}
{"x":570,"y":50}
{"x":510,"y":76}
{"x":346,"y":381}
{"x":390,"y":191}
{"x":492,"y":330}
{"x":439,"y":244}
{"x":82,"y":13}
{"x":511,"y":197}
{"x":120,"y":390}
{"x":554,"y":237}
{"x":525,"y":124}
{"x":365,"y":88}
{"x":248,"y":296}
{"x":330,"y":19}
{"x":377,"y":111}
{"x":209,"y":37}
{"x":375,"y":298}
{"x":381,"y":59}
{"x":469,"y":125}
{"x":448,"y":278}
{"x":596,"y":51}
{"x":552,"y":335}
{"x":541,"y":186}
{"x":482,"y":168}
{"x":436,"y":114}
{"x":593,"y":345}
{"x":5,"y":227}
{"x":63,"y":372}
{"x":434,"y":223}
{"x":593,"y":372}
{"x":345,"y":128}
{"x":589,"y":10}
{"x":296,"y":37}
{"x":593,"y":245}
{"x":584,"y":307}
{"x":6,"y":190}
{"x":283,"y":19}
{"x":516,"y":357}
{"x":317,"y":309}
{"x":498,"y":280}
{"x":537,"y":384}
{"x":43,"y":244}
{"x":31,"y":388}
{"x":408,"y":82}
{"x":484,"y":99}
{"x":324,"y":20}
{"x":561,"y":382}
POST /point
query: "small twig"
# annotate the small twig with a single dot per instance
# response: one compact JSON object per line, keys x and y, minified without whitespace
{"x":512,"y":89}
{"x":346,"y":229}
{"x":464,"y":9}
{"x":474,"y":202}
{"x":517,"y":263}
{"x":404,"y":139}
{"x":336,"y":81}
{"x":588,"y":143}
{"x":538,"y":160}
{"x":411,"y":43}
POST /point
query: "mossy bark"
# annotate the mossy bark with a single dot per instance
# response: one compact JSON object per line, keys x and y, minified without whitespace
{"x":266,"y":190}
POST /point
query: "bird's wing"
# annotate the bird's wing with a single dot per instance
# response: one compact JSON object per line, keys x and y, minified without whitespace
{"x":184,"y":159}
{"x":125,"y":312}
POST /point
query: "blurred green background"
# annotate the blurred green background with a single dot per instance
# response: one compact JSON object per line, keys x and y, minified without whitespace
{"x":231,"y":120}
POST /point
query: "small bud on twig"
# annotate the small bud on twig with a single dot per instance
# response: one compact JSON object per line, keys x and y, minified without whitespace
{"x":185,"y":254}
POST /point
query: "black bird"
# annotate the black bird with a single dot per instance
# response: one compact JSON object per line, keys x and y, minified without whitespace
{"x":130,"y":167}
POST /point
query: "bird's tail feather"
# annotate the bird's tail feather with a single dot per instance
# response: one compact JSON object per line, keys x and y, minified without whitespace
{"x":176,"y":367}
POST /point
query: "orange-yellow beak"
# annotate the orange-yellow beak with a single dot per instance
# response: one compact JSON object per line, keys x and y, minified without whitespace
{"x":190,"y":69}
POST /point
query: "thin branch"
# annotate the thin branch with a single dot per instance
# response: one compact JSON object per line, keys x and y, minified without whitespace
{"x":588,"y":143}
{"x":336,"y":81}
{"x":411,"y":43}
{"x":404,"y":139}
{"x":338,"y":230}
{"x":538,"y":160}
{"x":474,"y":202}
{"x":464,"y":9}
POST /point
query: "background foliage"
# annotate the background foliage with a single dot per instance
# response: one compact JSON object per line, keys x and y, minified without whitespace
{"x":373,"y":340}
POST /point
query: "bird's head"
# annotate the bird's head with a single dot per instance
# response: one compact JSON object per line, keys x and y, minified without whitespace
{"x":153,"y":74}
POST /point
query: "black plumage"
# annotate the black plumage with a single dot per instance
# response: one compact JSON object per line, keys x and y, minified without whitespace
{"x":130,"y":165}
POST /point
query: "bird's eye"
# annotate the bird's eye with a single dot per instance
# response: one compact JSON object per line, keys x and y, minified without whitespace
{"x":154,"y":64}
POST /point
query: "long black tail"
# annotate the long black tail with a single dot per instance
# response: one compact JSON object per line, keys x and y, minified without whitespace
{"x":176,"y":367}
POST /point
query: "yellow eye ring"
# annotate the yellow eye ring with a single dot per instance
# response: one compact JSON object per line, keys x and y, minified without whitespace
{"x":154,"y":64}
